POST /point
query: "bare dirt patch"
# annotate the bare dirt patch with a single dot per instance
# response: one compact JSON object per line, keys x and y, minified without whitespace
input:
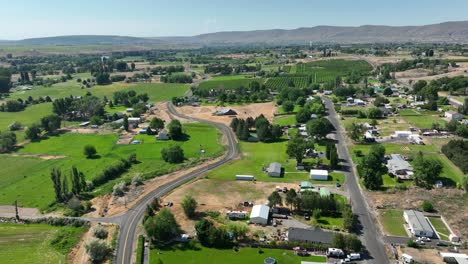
{"x":9,"y":211}
{"x":251,"y":110}
{"x":41,"y":156}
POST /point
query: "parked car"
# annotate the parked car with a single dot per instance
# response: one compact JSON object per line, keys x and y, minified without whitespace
{"x":168,"y":204}
{"x":338,"y":185}
{"x":306,"y":216}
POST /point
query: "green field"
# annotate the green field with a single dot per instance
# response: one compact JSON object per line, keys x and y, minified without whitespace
{"x":441,"y":229}
{"x":227,"y":82}
{"x":256,"y":155}
{"x":27,"y":178}
{"x":285,"y":120}
{"x":31,"y":243}
{"x":422,"y":119}
{"x":277,"y":83}
{"x":30,"y":115}
{"x":181,"y":254}
{"x":393,"y":222}
{"x":231,"y":77}
{"x":156,"y":91}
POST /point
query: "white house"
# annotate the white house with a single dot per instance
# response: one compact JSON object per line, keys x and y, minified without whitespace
{"x":259,"y":214}
{"x":418,"y":223}
{"x":452,"y":115}
{"x":321,"y":175}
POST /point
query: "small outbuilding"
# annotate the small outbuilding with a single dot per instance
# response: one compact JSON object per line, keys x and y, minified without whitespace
{"x":227,"y":111}
{"x":134,"y":120}
{"x":163,"y":135}
{"x":402,"y":134}
{"x":245,"y":178}
{"x":306,"y":186}
{"x":236,"y":214}
{"x":274,"y":170}
{"x":259,"y":214}
{"x":320,"y":175}
{"x":452,"y":115}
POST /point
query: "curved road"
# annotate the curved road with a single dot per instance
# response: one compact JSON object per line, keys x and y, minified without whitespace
{"x":132,"y":218}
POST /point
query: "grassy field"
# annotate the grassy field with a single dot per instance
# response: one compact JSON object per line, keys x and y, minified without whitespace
{"x":30,"y":115}
{"x":156,"y":91}
{"x":440,"y":227}
{"x":231,"y":77}
{"x":32,"y":243}
{"x":256,"y":155}
{"x":27,"y":178}
{"x":393,"y":221}
{"x":285,"y":120}
{"x":422,"y":119}
{"x":180,"y":254}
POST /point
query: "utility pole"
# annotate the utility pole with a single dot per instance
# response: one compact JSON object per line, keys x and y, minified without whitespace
{"x":16,"y":210}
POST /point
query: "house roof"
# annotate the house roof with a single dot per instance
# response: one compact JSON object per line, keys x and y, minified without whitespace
{"x":418,"y":221}
{"x":306,"y":184}
{"x":310,"y":234}
{"x":451,"y":112}
{"x":398,"y":163}
{"x":274,"y":167}
{"x":318,"y":172}
{"x":324,"y":192}
{"x":260,"y":210}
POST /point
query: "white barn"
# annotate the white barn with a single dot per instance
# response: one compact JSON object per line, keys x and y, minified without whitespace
{"x":259,"y":214}
{"x":321,"y":175}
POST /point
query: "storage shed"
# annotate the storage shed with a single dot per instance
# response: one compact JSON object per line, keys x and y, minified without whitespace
{"x":274,"y":170}
{"x":245,"y":178}
{"x":418,"y":223}
{"x":163,"y":135}
{"x":259,"y":214}
{"x":321,"y":175}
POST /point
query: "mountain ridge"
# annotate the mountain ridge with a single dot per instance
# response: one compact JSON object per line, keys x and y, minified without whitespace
{"x":449,"y":32}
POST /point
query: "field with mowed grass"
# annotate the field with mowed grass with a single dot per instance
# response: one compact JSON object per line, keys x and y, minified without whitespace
{"x":26,"y":177}
{"x":393,"y":222}
{"x":422,"y":119}
{"x":227,"y":82}
{"x":157,"y":92}
{"x":182,"y":254}
{"x":286,"y":120}
{"x":254,"y":156}
{"x":37,"y":243}
{"x":440,"y":227}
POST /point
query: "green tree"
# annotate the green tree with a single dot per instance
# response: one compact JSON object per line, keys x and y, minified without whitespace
{"x":275,"y":199}
{"x":371,"y":168}
{"x":374,"y":113}
{"x":388,"y":91}
{"x":7,"y":141}
{"x":356,"y":131}
{"x":125,"y":122}
{"x":77,"y":181}
{"x":427,"y":206}
{"x":157,"y":123}
{"x":189,"y":204}
{"x":162,"y":227}
{"x":319,"y":127}
{"x":173,"y":154}
{"x":51,"y":123}
{"x":204,"y":228}
{"x":291,"y":197}
{"x":33,"y":132}
{"x":56,"y":177}
{"x":288,"y":106}
{"x":334,"y":159}
{"x":426,"y":171}
{"x":89,"y":151}
{"x":349,"y":219}
{"x":175,"y":129}
{"x":296,"y":148}
{"x":464,"y":183}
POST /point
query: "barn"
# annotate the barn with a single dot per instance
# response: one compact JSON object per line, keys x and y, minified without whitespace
{"x":259,"y":214}
{"x":321,"y":175}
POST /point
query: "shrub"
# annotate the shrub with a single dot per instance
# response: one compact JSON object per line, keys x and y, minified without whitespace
{"x":89,"y":151}
{"x":15,"y":126}
{"x":100,"y":232}
{"x":173,"y":154}
{"x":119,"y":189}
{"x":136,"y":180}
{"x":97,"y":250}
{"x":427,"y":206}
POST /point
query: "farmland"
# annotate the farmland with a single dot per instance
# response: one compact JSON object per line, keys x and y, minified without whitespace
{"x":277,"y":83}
{"x":28,"y":176}
{"x":181,"y":254}
{"x":31,"y":243}
{"x":228,"y":83}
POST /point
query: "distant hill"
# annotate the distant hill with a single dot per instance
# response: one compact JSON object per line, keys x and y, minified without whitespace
{"x":451,"y":32}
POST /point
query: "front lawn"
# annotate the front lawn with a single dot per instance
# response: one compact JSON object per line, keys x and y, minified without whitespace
{"x":440,"y":227}
{"x":393,"y":222}
{"x":182,"y":254}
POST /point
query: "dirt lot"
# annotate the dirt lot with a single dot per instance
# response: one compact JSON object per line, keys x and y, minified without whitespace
{"x":423,"y":74}
{"x":206,"y":112}
{"x":450,"y":203}
{"x":9,"y":211}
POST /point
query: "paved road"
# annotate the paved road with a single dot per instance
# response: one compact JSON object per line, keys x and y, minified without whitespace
{"x":132,"y":218}
{"x":371,"y":236}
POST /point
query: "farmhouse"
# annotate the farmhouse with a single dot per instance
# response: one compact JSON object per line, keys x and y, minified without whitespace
{"x":418,"y":223}
{"x":274,"y":170}
{"x":163,"y":135}
{"x":452,"y":115}
{"x":259,"y":214}
{"x":227,"y":111}
{"x":321,"y":175}
{"x":245,"y":178}
{"x":309,"y":235}
{"x":399,"y":167}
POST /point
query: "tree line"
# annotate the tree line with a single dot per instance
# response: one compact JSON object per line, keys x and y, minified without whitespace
{"x":266,"y":132}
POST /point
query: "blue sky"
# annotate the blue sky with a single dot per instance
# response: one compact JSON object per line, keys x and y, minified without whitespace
{"x":147,"y":18}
